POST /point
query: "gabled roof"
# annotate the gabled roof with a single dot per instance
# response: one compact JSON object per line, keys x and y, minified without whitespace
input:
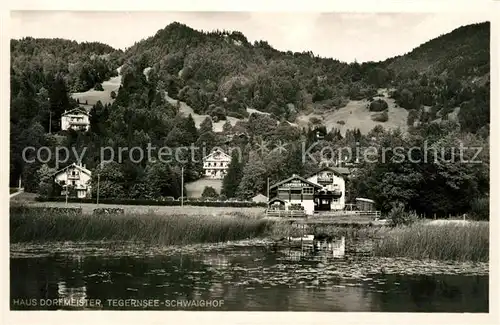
{"x":82,"y":169}
{"x":219,"y":151}
{"x":76,"y":111}
{"x":339,"y":171}
{"x":296,"y":177}
{"x":274,"y":199}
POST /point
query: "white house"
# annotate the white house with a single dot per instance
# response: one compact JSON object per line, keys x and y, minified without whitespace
{"x":76,"y":119}
{"x":259,"y":198}
{"x":331,"y":179}
{"x":215,"y":165}
{"x":76,"y":176}
{"x":294,"y":193}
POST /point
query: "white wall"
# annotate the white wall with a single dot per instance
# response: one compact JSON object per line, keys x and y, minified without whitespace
{"x":66,"y":121}
{"x":82,"y":180}
{"x":337,"y":184}
{"x":307,"y":204}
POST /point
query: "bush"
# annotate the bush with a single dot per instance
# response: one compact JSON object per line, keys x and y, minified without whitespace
{"x":413,"y":116}
{"x":98,"y":87}
{"x":217,"y":114}
{"x":113,"y":94}
{"x":380,"y":117}
{"x":378,"y":105}
{"x":315,"y":120}
{"x":467,"y":241}
{"x":398,"y":216}
{"x":341,"y":122}
{"x":100,"y":211}
{"x":480,"y":209}
{"x":209,"y":192}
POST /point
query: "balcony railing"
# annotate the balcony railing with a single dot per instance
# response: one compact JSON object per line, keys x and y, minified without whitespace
{"x":325,"y":179}
{"x":79,"y":123}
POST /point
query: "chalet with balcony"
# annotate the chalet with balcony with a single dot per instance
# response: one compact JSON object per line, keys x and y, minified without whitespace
{"x":332,"y":182}
{"x":294,"y":193}
{"x":76,"y":177}
{"x":215,"y":165}
{"x":75,"y":119}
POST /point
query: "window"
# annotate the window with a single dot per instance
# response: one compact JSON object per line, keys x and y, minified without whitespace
{"x":308,"y":190}
{"x":73,"y":182}
{"x":335,"y":200}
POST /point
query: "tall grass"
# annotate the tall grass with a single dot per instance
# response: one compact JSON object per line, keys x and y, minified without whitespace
{"x":26,"y":226}
{"x":459,"y":241}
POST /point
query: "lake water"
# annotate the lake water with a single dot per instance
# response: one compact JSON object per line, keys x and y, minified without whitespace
{"x":238,"y":276}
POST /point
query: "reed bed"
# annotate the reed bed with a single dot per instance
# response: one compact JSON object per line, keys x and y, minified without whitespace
{"x":27,"y":226}
{"x":457,"y":241}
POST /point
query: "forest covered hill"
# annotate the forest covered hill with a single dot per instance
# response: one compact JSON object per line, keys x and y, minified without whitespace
{"x":214,"y":71}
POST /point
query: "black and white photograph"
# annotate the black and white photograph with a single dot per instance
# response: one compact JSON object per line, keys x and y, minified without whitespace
{"x":249,"y":161}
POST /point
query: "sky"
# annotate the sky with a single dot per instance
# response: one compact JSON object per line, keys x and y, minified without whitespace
{"x":343,"y":36}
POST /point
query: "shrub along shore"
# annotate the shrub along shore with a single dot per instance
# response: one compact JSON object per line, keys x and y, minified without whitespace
{"x":43,"y":226}
{"x":459,"y":241}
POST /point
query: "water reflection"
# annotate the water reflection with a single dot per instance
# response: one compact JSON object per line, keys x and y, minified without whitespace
{"x":246,"y":278}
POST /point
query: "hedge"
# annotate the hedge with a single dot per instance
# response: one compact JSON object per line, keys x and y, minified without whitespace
{"x":21,"y":209}
{"x":235,"y":204}
{"x":100,"y":211}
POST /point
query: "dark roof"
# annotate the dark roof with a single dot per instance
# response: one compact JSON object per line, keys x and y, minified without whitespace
{"x":296,"y":177}
{"x":83,"y":169}
{"x":343,"y":170}
{"x":339,"y":171}
{"x":77,"y":110}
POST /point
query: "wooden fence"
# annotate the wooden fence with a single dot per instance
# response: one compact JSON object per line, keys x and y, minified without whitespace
{"x":326,"y":214}
{"x":285,"y":213}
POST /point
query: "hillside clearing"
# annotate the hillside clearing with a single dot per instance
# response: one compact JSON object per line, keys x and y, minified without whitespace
{"x":93,"y":96}
{"x":195,"y":189}
{"x":356,"y":115}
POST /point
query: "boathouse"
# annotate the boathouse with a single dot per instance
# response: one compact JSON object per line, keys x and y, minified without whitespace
{"x":363,"y":204}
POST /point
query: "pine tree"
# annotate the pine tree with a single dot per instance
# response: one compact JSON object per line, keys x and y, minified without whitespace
{"x":254,"y":177}
{"x":227,"y":127}
{"x":59,"y":101}
{"x":206,"y":125}
{"x":232,"y":180}
{"x":190,"y":129}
